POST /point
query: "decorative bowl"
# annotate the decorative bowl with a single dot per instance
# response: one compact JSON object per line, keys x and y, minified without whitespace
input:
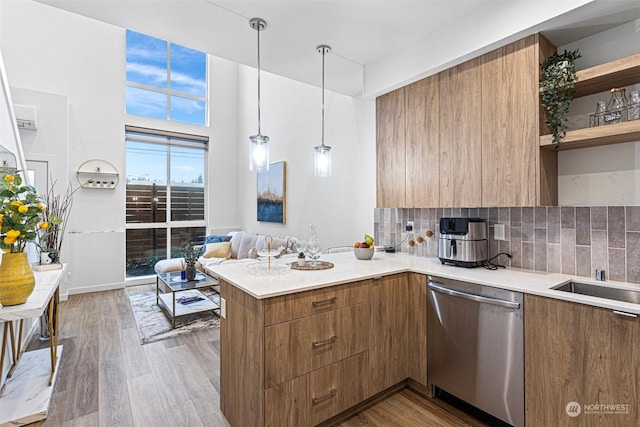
{"x":363,"y":253}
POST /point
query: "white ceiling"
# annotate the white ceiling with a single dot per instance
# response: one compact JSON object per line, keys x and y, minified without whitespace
{"x":377,"y":45}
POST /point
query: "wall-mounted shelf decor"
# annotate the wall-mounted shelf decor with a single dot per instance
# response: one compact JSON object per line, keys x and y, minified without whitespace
{"x":618,"y":73}
{"x":97,"y":174}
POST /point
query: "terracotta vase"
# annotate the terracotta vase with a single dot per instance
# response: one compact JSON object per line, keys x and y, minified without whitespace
{"x":16,"y":279}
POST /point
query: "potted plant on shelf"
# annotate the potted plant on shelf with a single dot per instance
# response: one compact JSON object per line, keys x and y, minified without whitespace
{"x":191,"y":254}
{"x":20,"y":220}
{"x":557,"y":84}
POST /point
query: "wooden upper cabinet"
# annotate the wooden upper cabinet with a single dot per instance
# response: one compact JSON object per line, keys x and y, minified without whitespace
{"x":461,"y":135}
{"x":423,"y":143}
{"x":390,"y":149}
{"x":510,"y":124}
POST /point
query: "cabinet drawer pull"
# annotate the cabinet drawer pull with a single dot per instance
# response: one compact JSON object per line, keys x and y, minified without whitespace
{"x":622,"y":313}
{"x":324,"y":302}
{"x":317,"y":344}
{"x":317,"y":400}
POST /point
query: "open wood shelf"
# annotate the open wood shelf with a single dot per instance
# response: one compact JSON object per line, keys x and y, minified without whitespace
{"x":596,"y":136}
{"x":619,"y":73}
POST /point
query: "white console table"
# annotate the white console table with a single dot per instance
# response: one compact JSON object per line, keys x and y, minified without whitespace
{"x":46,"y":294}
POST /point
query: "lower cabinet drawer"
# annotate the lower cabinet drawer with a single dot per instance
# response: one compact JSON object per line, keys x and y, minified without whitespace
{"x":339,"y":386}
{"x":288,"y":404}
{"x":315,"y":397}
{"x":298,"y":347}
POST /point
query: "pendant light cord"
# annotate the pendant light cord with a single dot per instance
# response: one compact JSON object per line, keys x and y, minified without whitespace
{"x":323,"y":53}
{"x":258,"y":30}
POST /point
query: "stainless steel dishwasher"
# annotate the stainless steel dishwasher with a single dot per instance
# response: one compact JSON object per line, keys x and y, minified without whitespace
{"x":475,"y":346}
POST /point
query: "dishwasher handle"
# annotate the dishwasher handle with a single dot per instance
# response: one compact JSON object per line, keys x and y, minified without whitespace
{"x":437,"y":287}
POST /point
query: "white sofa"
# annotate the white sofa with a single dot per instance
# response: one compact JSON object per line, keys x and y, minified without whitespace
{"x":243,"y":247}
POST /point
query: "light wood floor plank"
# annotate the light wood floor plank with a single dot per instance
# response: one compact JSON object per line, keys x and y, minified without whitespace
{"x":145,"y":402}
{"x":134,"y":356}
{"x":201,"y":391}
{"x":84,"y":373}
{"x":183,"y":414}
{"x":115,"y":409}
{"x":170,"y":386}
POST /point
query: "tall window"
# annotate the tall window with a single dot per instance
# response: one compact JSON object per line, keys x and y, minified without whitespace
{"x":165,"y":80}
{"x":165,"y":207}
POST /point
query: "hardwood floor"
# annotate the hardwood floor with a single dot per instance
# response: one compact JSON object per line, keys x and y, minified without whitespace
{"x":407,"y":409}
{"x":107,"y":378}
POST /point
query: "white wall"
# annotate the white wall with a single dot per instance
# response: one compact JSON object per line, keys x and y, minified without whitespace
{"x":341,"y":205}
{"x":608,"y":175}
{"x":493,"y":24}
{"x":48,"y":50}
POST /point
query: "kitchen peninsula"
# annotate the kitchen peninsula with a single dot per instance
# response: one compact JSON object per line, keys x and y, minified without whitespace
{"x":304,"y":346}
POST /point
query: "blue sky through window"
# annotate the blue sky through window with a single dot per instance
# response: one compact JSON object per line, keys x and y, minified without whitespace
{"x":156,"y":80}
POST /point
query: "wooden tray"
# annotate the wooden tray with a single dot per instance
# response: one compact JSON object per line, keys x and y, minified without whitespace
{"x":320,"y":265}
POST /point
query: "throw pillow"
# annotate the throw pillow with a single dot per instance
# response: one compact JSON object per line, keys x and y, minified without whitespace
{"x":248,"y":242}
{"x":218,"y":250}
{"x":236,"y":239}
{"x":217,"y":239}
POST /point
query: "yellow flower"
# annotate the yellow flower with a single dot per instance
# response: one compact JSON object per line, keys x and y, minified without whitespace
{"x":13,"y":234}
{"x":16,"y":203}
{"x":12,"y":187}
{"x":6,"y":250}
{"x":1,"y":218}
{"x":23,"y":209}
{"x":9,"y":240}
{"x":42,"y":207}
{"x":44,"y":225}
{"x":9,"y":178}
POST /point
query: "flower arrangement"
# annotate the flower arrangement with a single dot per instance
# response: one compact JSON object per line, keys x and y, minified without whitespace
{"x":191,"y":254}
{"x":20,"y":214}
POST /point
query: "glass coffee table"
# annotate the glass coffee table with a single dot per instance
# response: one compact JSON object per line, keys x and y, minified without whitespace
{"x":180,"y":298}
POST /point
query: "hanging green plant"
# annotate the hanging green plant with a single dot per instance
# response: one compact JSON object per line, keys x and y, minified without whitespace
{"x":557,"y":83}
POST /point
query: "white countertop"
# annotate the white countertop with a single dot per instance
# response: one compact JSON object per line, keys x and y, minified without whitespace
{"x":46,"y":284}
{"x":348,"y":269}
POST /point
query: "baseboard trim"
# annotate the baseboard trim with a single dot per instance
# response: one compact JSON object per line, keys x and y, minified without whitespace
{"x":98,"y":288}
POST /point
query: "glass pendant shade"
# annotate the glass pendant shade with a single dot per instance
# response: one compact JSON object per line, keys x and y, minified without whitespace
{"x":322,"y":153}
{"x":258,"y":153}
{"x":258,"y":144}
{"x":322,"y":160}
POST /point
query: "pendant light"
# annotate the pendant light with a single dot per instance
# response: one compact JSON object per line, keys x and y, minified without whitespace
{"x":322,"y":153}
{"x":258,"y":144}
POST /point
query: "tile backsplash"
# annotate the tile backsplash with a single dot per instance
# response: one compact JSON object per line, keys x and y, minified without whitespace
{"x":559,"y":239}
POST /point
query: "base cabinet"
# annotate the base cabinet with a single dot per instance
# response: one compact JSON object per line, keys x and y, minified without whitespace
{"x":417,"y":328}
{"x":582,"y":365}
{"x":388,"y":335}
{"x":301,"y":359}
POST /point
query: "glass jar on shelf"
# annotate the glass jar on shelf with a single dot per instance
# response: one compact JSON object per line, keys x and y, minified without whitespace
{"x":633,"y":110}
{"x":616,"y":107}
{"x":597,"y":118}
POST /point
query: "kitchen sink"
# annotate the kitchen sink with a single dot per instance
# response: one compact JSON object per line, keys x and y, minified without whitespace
{"x":600,"y":291}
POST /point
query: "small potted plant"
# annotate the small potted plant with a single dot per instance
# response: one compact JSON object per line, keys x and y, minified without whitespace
{"x":191,"y":254}
{"x":301,"y":259}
